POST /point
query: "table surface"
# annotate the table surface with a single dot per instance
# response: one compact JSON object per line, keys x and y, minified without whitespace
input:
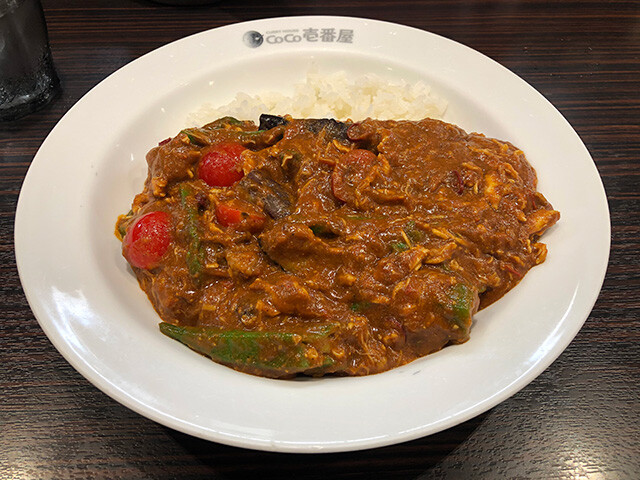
{"x":579,"y":419}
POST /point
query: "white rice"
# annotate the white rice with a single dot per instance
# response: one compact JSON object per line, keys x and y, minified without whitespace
{"x":334,"y":96}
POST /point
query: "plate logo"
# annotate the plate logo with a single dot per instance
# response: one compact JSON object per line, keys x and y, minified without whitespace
{"x":254,"y":39}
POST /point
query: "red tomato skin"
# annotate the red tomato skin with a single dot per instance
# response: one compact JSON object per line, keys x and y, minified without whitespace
{"x":228,"y":215}
{"x":147,"y":240}
{"x":220,"y":166}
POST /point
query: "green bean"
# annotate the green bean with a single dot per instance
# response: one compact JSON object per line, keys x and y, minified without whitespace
{"x":195,"y":255}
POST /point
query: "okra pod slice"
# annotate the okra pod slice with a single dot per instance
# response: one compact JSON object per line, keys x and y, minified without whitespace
{"x":271,"y":353}
{"x":463,"y":302}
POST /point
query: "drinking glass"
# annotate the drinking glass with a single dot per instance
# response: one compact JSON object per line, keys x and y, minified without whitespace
{"x":28,"y":79}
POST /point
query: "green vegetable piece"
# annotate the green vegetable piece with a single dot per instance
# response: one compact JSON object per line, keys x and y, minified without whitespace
{"x":223,"y":122}
{"x":228,"y":120}
{"x":196,"y":136}
{"x":122,"y":230}
{"x":415,"y":234}
{"x":195,"y":255}
{"x":359,"y":306}
{"x":323,"y":231}
{"x":272,"y":353}
{"x":462,"y":300}
{"x":318,"y":230}
{"x":399,"y":246}
{"x":365,"y":217}
{"x":250,"y":134}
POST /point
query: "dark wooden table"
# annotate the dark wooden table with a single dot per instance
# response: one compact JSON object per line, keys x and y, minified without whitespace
{"x":579,"y":419}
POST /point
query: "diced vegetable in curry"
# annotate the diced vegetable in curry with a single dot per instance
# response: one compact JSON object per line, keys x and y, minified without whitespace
{"x":319,"y":247}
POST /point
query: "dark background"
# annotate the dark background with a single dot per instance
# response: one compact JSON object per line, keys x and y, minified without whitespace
{"x":578,"y":420}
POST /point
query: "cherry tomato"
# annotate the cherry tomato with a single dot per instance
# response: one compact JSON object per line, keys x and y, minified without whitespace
{"x":221,"y":165}
{"x":240,"y":215}
{"x":147,"y":240}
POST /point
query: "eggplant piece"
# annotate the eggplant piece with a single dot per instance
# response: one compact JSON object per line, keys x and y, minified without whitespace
{"x":267,"y":122}
{"x":262,"y":188}
{"x":333,"y":128}
{"x":276,"y":207}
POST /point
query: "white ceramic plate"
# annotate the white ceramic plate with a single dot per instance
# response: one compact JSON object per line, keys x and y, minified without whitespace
{"x":89,"y":304}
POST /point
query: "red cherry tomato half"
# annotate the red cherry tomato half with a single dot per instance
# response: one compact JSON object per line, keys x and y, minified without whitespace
{"x":221,"y":165}
{"x":147,"y":240}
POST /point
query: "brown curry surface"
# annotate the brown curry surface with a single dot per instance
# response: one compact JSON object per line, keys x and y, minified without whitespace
{"x":362,"y":246}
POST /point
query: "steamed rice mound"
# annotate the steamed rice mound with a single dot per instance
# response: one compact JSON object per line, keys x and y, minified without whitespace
{"x":334,"y":96}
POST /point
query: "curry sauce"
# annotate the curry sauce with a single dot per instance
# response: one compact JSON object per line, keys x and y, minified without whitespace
{"x":322,"y":247}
